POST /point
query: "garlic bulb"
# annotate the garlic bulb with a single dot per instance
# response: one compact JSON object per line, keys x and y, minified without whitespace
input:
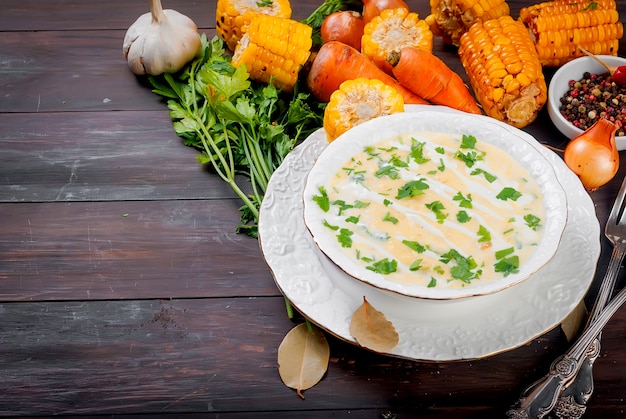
{"x":161,"y":41}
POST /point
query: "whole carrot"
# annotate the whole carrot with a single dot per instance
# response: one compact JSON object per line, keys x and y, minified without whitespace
{"x":427,"y":76}
{"x":337,"y":62}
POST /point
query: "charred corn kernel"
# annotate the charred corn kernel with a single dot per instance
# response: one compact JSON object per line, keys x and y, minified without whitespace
{"x":514,"y":97}
{"x":357,"y":101}
{"x":393,"y":30}
{"x":233,"y":16}
{"x":274,"y":49}
{"x":451,"y":18}
{"x":558,"y":27}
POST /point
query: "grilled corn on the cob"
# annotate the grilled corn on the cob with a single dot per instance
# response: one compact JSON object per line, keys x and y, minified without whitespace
{"x":504,"y":70}
{"x":357,"y":101}
{"x":393,"y":30}
{"x":234,"y":16}
{"x":451,"y":18}
{"x":559,"y":27}
{"x":274,"y":49}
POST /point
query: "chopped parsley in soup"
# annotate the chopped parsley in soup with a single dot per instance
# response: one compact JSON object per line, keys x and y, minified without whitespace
{"x":433,"y":209}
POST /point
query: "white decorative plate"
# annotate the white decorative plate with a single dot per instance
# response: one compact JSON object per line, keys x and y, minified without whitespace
{"x":368,"y":190}
{"x":429,"y":330}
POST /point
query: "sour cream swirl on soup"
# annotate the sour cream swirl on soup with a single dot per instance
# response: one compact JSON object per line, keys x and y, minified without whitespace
{"x":432,"y":209}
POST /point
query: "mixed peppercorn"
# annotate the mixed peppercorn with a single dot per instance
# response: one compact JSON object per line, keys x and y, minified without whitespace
{"x":595,"y":96}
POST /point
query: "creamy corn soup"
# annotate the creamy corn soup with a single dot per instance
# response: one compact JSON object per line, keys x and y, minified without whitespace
{"x":433,"y":209}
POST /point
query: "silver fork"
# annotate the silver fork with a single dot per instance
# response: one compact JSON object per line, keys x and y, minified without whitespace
{"x":572,"y":402}
{"x":570,"y":378}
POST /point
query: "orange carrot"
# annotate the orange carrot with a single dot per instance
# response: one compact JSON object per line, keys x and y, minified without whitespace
{"x":337,"y":62}
{"x":427,"y":76}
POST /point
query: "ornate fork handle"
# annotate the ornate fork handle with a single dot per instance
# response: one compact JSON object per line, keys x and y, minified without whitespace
{"x":572,"y":403}
{"x":540,"y":398}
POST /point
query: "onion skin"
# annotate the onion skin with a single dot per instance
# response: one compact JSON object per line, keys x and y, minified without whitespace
{"x":593,"y":155}
{"x":372,"y":8}
{"x":344,"y":26}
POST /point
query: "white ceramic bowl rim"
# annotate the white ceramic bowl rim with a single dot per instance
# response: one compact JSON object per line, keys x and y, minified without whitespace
{"x":523,"y":147}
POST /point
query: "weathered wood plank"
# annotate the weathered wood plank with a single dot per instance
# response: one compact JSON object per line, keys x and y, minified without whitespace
{"x":42,"y":73}
{"x":219,"y":355}
{"x":128,"y":250}
{"x":98,"y":156}
{"x":191,"y":354}
{"x":131,"y":306}
{"x":76,"y":15}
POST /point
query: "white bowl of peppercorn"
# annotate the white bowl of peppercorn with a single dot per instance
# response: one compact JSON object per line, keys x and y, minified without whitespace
{"x":581,"y":91}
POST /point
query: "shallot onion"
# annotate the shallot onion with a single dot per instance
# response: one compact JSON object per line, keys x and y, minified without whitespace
{"x":344,"y":26}
{"x":593,"y":155}
{"x":372,"y":8}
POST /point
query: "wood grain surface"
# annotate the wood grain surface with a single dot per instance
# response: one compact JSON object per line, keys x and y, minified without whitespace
{"x":124,"y":288}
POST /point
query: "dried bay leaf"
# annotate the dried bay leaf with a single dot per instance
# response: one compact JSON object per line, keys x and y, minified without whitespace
{"x":372,"y":330}
{"x":303,"y":357}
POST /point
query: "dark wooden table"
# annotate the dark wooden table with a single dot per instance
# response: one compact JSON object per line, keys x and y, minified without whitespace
{"x":124,"y":288}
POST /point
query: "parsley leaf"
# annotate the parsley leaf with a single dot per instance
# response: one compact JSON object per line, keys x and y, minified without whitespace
{"x":462,"y":217}
{"x":507,"y":265}
{"x":390,"y":171}
{"x":464,"y":201}
{"x":414,"y":246}
{"x":464,"y":268}
{"x":504,"y":252}
{"x":488,"y":176}
{"x":412,"y":188}
{"x":442,"y":165}
{"x":484,"y":236}
{"x":437,"y":207}
{"x":344,"y":237}
{"x":416,"y":265}
{"x":384,"y":266}
{"x":398,"y":162}
{"x":532,"y":221}
{"x":468,"y":141}
{"x":389,"y":218}
{"x":343,"y":206}
{"x":470,"y":158}
{"x":417,"y":152}
{"x":332,"y":227}
{"x":322,"y":199}
{"x":509,"y":193}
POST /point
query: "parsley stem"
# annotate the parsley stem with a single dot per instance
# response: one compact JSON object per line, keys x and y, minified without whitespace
{"x":257,"y":175}
{"x":256,"y":156}
{"x":234,"y":122}
{"x":229,"y":176}
{"x":289,"y":308}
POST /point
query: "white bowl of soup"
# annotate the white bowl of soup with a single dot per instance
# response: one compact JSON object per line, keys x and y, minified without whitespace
{"x":435,"y":204}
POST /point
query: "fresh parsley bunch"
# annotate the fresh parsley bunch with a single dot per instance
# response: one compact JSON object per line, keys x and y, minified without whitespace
{"x":244,"y":129}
